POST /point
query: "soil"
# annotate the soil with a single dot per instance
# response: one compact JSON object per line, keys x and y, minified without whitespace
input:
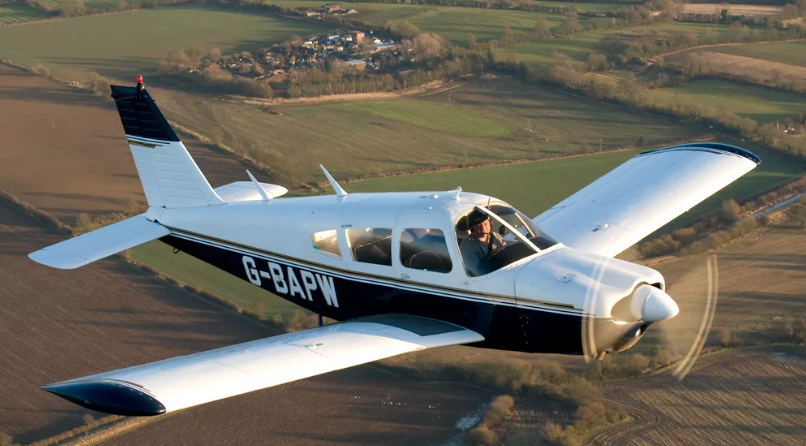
{"x":64,"y":150}
{"x":748,"y":397}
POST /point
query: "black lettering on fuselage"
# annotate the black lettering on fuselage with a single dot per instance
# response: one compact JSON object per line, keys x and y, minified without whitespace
{"x":287,"y":282}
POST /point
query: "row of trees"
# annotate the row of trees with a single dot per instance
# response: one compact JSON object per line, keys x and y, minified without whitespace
{"x":692,"y":65}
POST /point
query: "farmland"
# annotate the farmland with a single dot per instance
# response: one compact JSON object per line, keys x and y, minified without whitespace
{"x":792,"y":53}
{"x":748,"y":397}
{"x":17,"y":13}
{"x":116,"y":46}
{"x":536,"y":186}
{"x":60,"y":325}
{"x":467,"y":122}
{"x":733,"y":10}
{"x":760,"y":104}
{"x":578,"y":46}
{"x":455,"y":23}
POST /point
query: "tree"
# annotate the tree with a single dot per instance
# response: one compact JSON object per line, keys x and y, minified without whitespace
{"x":596,"y":62}
{"x":507,"y":34}
{"x":72,"y":8}
{"x":428,"y":45}
{"x":731,"y":211}
{"x":542,"y":30}
{"x":798,"y":214}
{"x":471,"y":41}
{"x":6,"y":440}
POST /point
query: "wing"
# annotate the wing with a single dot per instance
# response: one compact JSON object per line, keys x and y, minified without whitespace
{"x":643,"y":194}
{"x":185,"y":381}
{"x":100,"y":243}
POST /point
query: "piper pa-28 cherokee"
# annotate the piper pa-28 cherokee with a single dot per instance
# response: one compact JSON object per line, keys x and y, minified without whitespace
{"x":401,"y":271}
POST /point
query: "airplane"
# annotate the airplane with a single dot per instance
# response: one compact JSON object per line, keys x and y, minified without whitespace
{"x":399,"y":272}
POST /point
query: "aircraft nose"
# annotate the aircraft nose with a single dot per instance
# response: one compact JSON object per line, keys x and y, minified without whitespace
{"x":651,"y":304}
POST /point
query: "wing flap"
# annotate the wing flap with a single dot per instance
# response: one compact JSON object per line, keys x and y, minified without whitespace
{"x":640,"y":196}
{"x":186,"y":381}
{"x":95,"y":245}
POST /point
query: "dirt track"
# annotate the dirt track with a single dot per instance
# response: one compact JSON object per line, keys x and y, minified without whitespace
{"x":754,"y":397}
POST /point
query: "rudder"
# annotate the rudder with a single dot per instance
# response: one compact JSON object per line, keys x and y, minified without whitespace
{"x":170,"y":177}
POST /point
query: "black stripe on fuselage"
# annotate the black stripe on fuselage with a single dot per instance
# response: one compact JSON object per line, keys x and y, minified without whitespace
{"x":369,"y":278}
{"x":503,"y":324}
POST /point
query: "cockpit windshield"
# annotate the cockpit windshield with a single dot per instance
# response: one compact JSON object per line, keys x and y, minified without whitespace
{"x":494,"y":237}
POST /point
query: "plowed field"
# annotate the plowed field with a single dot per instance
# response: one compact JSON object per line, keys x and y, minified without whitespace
{"x":751,"y":397}
{"x":64,"y":150}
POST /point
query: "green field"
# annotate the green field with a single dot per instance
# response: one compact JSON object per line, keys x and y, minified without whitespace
{"x":17,"y":12}
{"x":536,"y":186}
{"x":122,"y":45}
{"x":578,"y":46}
{"x":88,"y":4}
{"x":473,"y":122}
{"x":792,"y":53}
{"x":761,"y":104}
{"x":205,"y":277}
{"x":454,"y":23}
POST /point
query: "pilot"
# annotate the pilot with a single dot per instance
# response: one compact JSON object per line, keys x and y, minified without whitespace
{"x":481,"y":241}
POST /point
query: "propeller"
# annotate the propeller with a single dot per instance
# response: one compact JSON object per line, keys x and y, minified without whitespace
{"x":680,"y":318}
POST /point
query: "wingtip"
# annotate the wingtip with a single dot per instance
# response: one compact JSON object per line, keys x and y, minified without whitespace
{"x":720,"y":147}
{"x":108,"y":397}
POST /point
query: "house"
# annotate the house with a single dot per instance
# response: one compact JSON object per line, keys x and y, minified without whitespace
{"x":358,"y":36}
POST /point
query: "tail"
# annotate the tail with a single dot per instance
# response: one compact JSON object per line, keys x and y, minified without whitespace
{"x":170,"y":177}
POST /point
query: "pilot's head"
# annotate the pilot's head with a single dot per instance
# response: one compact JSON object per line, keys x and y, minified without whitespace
{"x":478,"y":223}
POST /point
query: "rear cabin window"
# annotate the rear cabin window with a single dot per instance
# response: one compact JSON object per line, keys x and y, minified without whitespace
{"x":327,"y":242}
{"x":425,"y":249}
{"x":371,"y":245}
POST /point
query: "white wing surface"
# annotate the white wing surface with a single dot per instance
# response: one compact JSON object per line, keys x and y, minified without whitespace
{"x":643,"y":194}
{"x":186,"y":381}
{"x":104,"y":242}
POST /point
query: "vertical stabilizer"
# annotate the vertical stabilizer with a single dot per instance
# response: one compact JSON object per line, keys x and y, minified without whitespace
{"x":170,"y":177}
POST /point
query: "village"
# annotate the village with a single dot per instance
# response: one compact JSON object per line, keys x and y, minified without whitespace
{"x":353,"y":50}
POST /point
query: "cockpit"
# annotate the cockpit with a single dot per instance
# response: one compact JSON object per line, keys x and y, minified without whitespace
{"x":434,"y":239}
{"x":493,"y":237}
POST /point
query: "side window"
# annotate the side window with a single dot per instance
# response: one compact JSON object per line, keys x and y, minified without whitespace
{"x":425,"y":249}
{"x":371,"y":245}
{"x":326,"y":241}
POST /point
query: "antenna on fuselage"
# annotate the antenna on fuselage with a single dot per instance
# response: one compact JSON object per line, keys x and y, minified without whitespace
{"x":258,"y":186}
{"x":458,"y":191}
{"x":339,"y":191}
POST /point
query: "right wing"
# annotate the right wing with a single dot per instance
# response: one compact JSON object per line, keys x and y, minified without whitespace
{"x":185,"y":381}
{"x":640,"y":196}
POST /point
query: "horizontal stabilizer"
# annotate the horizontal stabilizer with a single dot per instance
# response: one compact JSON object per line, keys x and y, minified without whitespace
{"x":96,"y":245}
{"x":185,"y":381}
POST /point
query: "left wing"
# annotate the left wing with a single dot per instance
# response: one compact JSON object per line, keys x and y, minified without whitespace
{"x":185,"y":381}
{"x":640,"y":196}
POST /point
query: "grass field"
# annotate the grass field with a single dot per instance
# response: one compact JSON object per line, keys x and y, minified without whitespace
{"x":580,"y":45}
{"x":535,"y":187}
{"x":17,"y":12}
{"x":792,"y":53}
{"x":761,"y":104}
{"x":116,"y":45}
{"x":455,"y":23}
{"x":88,"y":4}
{"x":189,"y":270}
{"x":475,"y":121}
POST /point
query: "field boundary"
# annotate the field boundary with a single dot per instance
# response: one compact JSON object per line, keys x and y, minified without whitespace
{"x":654,"y":59}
